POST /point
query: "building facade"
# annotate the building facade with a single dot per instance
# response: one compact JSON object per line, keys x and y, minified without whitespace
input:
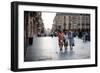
{"x":33,"y":25}
{"x":67,"y":21}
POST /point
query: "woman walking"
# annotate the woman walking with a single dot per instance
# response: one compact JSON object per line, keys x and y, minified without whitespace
{"x":66,"y":40}
{"x":60,"y":39}
{"x":71,"y":39}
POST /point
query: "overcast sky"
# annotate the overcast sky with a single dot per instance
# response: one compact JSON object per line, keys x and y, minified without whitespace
{"x":48,"y":19}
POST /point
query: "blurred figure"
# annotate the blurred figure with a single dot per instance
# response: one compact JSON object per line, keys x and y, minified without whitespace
{"x":66,"y":40}
{"x":85,"y":34}
{"x":71,"y":39}
{"x":52,"y":34}
{"x":61,"y":39}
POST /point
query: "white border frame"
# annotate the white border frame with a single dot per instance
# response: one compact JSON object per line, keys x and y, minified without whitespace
{"x":22,"y":64}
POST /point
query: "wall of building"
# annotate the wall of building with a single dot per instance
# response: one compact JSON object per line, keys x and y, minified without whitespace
{"x":33,"y":23}
{"x":71,"y":21}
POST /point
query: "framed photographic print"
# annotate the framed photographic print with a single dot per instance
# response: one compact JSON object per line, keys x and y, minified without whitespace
{"x":52,"y":36}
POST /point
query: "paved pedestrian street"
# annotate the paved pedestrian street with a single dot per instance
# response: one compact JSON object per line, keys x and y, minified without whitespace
{"x":47,"y":48}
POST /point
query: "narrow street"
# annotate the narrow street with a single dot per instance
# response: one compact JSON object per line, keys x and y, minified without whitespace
{"x":47,"y":48}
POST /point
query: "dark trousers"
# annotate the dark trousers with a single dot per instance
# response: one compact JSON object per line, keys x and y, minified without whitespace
{"x":30,"y":40}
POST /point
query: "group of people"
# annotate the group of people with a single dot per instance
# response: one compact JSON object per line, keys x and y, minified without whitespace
{"x":66,"y":38}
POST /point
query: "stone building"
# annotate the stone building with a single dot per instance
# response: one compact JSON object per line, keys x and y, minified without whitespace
{"x":33,"y":25}
{"x":67,"y":21}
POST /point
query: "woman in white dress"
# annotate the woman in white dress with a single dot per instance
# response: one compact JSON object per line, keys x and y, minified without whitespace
{"x":66,"y":40}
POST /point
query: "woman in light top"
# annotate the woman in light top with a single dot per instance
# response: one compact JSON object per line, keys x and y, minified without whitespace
{"x":66,"y":40}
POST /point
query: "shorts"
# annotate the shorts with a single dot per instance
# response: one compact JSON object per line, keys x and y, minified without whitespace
{"x":60,"y":42}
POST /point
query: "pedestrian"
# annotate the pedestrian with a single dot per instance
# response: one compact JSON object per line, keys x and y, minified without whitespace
{"x":66,"y":40}
{"x":60,"y":39}
{"x":71,"y":39}
{"x":84,"y":36}
{"x":52,"y":34}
